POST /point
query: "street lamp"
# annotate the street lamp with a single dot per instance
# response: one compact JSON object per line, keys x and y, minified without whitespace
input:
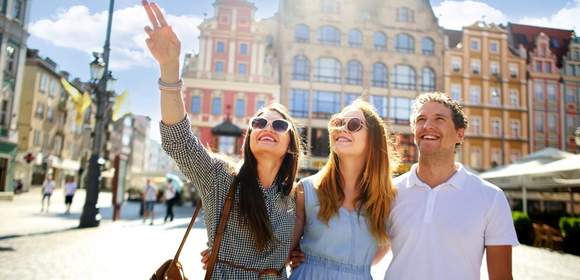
{"x":102,"y":85}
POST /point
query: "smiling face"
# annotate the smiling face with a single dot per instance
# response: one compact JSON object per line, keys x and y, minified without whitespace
{"x":267,"y":142}
{"x":345,"y":142}
{"x":434,"y":131}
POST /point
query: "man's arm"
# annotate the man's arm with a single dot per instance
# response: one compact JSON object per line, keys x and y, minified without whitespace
{"x":499,"y":262}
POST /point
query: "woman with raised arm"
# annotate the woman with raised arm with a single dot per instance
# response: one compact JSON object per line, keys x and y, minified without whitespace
{"x":342,"y":210}
{"x":258,"y":233}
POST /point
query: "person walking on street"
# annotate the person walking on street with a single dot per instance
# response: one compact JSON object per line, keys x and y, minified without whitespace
{"x":47,"y":189}
{"x":70,"y":188}
{"x":149,"y":198}
{"x":170,"y":197}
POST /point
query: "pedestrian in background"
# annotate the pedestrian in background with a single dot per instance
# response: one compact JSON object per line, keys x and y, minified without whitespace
{"x":47,"y":189}
{"x":149,"y":198}
{"x":169,"y":196}
{"x":70,"y":187}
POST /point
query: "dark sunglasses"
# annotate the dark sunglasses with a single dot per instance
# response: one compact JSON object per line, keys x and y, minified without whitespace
{"x":280,"y":126}
{"x":351,"y":124}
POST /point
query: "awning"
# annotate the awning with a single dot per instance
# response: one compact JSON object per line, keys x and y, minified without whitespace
{"x":227,"y":128}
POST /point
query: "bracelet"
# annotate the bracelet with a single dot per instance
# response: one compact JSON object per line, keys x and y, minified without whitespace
{"x":170,"y":86}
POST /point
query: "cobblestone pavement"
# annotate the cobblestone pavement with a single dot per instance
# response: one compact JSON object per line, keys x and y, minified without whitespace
{"x":49,"y":246}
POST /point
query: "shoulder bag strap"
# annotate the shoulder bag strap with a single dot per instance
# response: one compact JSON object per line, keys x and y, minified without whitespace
{"x":197,"y":209}
{"x":220,"y":232}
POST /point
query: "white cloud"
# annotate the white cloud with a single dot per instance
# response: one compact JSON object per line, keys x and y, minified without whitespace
{"x":457,"y":14}
{"x":566,"y":18}
{"x":78,"y":28}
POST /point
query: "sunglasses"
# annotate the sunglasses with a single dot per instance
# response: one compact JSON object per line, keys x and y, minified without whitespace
{"x":351,"y":124}
{"x":279,"y":126}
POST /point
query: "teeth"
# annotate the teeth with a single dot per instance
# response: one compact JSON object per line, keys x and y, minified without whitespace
{"x":342,"y":139}
{"x":266,"y":138}
{"x":429,"y":137}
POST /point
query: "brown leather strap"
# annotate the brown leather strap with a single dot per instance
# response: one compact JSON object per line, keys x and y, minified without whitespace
{"x":260,"y":272}
{"x":197,"y":209}
{"x":220,"y":232}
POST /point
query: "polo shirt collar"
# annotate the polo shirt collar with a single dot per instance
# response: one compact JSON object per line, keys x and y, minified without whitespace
{"x":457,"y":181}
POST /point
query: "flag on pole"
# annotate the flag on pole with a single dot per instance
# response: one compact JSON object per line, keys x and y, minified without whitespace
{"x":119,"y":102}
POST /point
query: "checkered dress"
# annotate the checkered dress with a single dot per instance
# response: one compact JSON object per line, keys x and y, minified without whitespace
{"x":212,"y":178}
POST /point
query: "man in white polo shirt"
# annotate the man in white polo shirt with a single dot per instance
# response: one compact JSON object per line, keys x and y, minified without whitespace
{"x":444,"y":217}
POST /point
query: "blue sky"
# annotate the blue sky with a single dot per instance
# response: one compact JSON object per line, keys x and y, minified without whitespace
{"x":68,"y":31}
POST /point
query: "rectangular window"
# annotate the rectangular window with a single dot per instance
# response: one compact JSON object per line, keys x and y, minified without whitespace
{"x":475,"y":158}
{"x":260,"y":104}
{"x":4,"y":113}
{"x":551,"y":89}
{"x":456,"y":64}
{"x":494,"y":68}
{"x":515,"y":128}
{"x":496,"y":127}
{"x":349,"y":98}
{"x":381,"y":104}
{"x":475,"y":95}
{"x":552,"y":123}
{"x":538,"y":66}
{"x":242,"y":69}
{"x":17,"y":8}
{"x":495,"y":157}
{"x":11,"y":64}
{"x":216,"y":106}
{"x":43,"y":87}
{"x":325,"y":104}
{"x":494,"y":47}
{"x":475,"y":66}
{"x":243,"y":49}
{"x":539,"y":121}
{"x":49,"y":114}
{"x":219,"y":67}
{"x":227,"y":145}
{"x":570,"y":95}
{"x":548,"y":67}
{"x":514,"y":155}
{"x":475,"y":125}
{"x":539,"y":91}
{"x":39,"y":111}
{"x":299,"y":103}
{"x":196,"y":104}
{"x":37,"y":138}
{"x":514,"y":70}
{"x":400,"y":110}
{"x":220,"y":47}
{"x":53,"y":88}
{"x":514,"y":98}
{"x":319,"y":142}
{"x":495,"y":96}
{"x":240,"y":108}
{"x":475,"y":44}
{"x":456,"y":92}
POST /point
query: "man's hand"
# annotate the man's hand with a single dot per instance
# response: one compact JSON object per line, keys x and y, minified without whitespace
{"x":295,"y":258}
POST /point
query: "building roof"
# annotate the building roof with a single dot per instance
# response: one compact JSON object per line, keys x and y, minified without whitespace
{"x":454,"y":37}
{"x":227,"y":128}
{"x":525,"y":35}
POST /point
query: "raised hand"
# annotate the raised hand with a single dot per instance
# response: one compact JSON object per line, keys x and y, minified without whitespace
{"x":162,"y":42}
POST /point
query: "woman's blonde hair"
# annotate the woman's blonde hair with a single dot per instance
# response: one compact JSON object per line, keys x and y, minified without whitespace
{"x":377,"y":192}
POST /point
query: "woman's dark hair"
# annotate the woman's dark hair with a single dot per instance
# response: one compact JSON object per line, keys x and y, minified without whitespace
{"x":253,"y":213}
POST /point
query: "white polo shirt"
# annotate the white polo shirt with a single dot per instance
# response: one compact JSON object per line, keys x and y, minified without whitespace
{"x":440,"y":233}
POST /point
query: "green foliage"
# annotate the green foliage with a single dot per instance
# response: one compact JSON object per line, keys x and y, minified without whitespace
{"x":523,"y":225}
{"x":570,"y":227}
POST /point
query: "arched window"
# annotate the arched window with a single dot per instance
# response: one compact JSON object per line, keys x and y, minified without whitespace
{"x":302,"y":33}
{"x":327,"y":70}
{"x":380,"y":75}
{"x":404,"y":77}
{"x":329,"y":35}
{"x":354,"y":75}
{"x":355,"y":38}
{"x":405,"y":43}
{"x":428,"y":46}
{"x":380,"y":41}
{"x":427,"y":79}
{"x":301,"y":68}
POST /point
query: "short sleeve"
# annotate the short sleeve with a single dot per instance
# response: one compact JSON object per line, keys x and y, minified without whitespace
{"x":500,"y":228}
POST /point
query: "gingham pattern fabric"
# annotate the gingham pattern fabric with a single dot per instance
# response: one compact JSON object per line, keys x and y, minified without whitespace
{"x":212,"y":178}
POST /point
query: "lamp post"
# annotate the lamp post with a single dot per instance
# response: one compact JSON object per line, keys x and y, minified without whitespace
{"x":103,"y":81}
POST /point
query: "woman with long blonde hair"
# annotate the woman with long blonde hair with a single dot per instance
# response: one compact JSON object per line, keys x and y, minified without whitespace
{"x":342,"y":210}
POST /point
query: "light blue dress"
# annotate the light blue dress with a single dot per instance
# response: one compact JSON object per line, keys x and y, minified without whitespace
{"x":343,"y":249}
